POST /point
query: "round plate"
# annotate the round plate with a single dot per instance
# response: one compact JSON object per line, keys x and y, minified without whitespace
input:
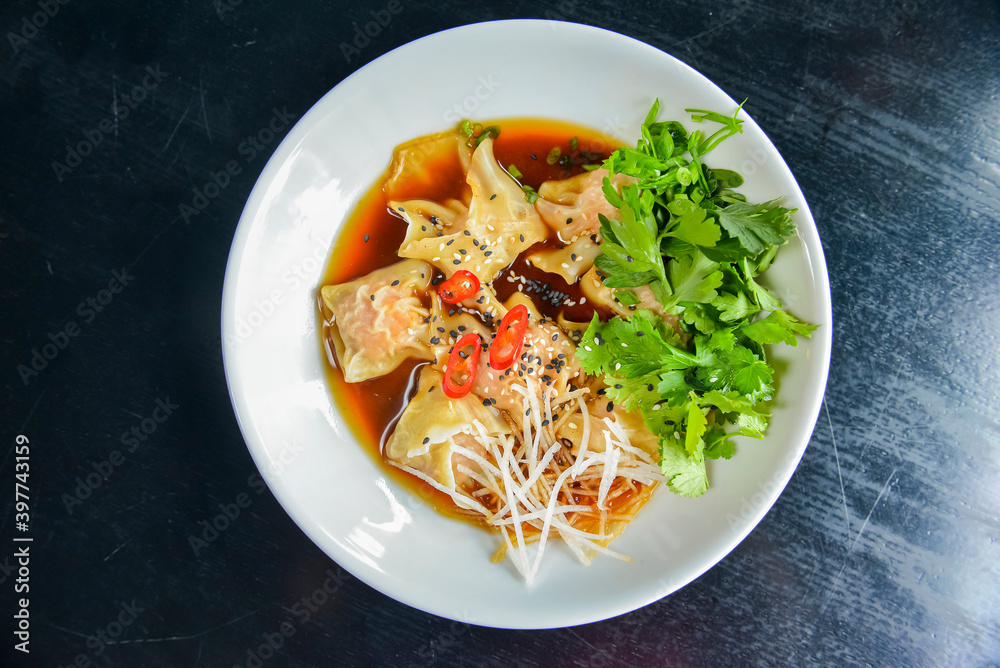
{"x":344,"y":502}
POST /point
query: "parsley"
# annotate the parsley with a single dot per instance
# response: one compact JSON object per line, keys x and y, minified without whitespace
{"x":700,"y":246}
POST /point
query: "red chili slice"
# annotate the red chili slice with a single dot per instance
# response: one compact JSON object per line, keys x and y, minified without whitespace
{"x":463,"y":366}
{"x":507,"y":343}
{"x":462,"y":285}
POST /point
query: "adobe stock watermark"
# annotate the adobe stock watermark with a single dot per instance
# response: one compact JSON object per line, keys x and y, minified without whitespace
{"x":229,"y":512}
{"x":564,"y":11}
{"x":304,"y":270}
{"x":102,"y":470}
{"x":903,"y":14}
{"x":363,"y":35}
{"x":121,"y":107}
{"x":88,"y":309}
{"x":302,"y":611}
{"x":449,"y":639}
{"x":33,"y":23}
{"x":249,"y":149}
{"x":469,"y":105}
{"x":100,"y":639}
{"x":223,"y":7}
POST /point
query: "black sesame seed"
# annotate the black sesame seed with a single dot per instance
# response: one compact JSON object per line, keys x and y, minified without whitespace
{"x":456,"y":262}
{"x":649,"y":388}
{"x":372,"y":297}
{"x":366,"y":238}
{"x":488,"y":253}
{"x":534,"y":157}
{"x":450,"y":242}
{"x":400,"y":208}
{"x":640,"y":333}
{"x":522,"y":238}
{"x":611,"y":406}
{"x":629,"y":258}
{"x":462,"y":251}
{"x":395,"y":283}
{"x":569,"y":220}
{"x":435,"y":340}
{"x":426,"y":440}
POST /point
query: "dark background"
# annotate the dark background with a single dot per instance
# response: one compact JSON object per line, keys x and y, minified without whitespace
{"x":883,"y":549}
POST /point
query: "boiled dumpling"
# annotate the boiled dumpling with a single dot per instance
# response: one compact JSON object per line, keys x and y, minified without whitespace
{"x":433,"y":423}
{"x":379,"y":319}
{"x":571,"y":206}
{"x":571,"y":261}
{"x":497,"y":227}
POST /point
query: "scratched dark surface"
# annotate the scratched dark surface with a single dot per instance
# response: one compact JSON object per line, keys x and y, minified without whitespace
{"x":883,"y":550}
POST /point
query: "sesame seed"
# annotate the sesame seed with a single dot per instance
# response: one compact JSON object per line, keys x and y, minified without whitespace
{"x":366,"y":238}
{"x":493,"y":196}
{"x":426,"y":440}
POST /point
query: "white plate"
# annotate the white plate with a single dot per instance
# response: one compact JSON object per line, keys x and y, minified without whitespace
{"x":324,"y":479}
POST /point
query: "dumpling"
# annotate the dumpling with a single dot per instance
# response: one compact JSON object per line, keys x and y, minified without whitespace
{"x":433,"y":423}
{"x":379,"y":320}
{"x":416,"y":165}
{"x":548,"y":358}
{"x":600,"y":295}
{"x":571,"y":206}
{"x":571,"y":261}
{"x":497,"y":227}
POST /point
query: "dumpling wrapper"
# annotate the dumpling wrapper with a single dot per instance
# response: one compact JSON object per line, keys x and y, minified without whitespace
{"x":442,"y":422}
{"x":571,"y":261}
{"x":376,"y":324}
{"x":548,"y":357}
{"x":571,"y":206}
{"x":499,"y":224}
{"x":601,"y":295}
{"x":415,"y":163}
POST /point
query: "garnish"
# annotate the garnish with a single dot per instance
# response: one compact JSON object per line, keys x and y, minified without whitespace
{"x":699,"y":246}
{"x":510,"y":335}
{"x":462,"y":285}
{"x":461,"y":364}
{"x":475,"y":133}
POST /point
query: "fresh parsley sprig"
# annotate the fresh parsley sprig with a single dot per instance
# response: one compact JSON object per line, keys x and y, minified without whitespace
{"x":700,"y":246}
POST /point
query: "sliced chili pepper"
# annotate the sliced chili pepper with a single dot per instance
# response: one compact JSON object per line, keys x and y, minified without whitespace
{"x":462,"y":285}
{"x":507,"y":343}
{"x":466,"y":366}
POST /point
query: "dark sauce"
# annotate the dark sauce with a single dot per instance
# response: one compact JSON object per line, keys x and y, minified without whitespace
{"x":371,"y":237}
